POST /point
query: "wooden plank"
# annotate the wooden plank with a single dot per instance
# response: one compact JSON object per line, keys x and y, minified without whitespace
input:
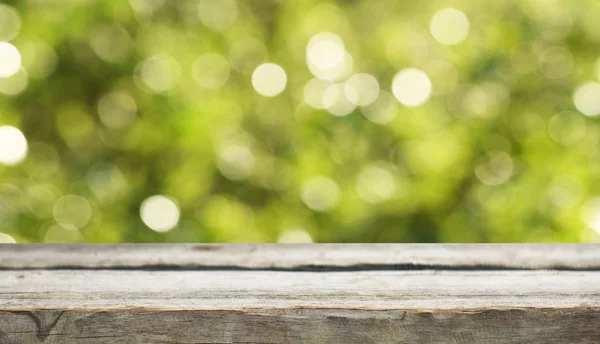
{"x":138,"y":294}
{"x":235,"y":290}
{"x":100,"y":306}
{"x":297,"y":257}
{"x":132,"y":326}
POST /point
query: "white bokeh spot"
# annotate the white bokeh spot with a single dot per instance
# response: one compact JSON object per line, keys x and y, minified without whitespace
{"x":327,"y":58}
{"x":13,"y":145}
{"x":7,"y":239}
{"x":269,"y":79}
{"x":336,"y":102}
{"x":160,"y":213}
{"x":361,"y":89}
{"x":411,"y":87}
{"x":10,"y":60}
{"x":158,"y":74}
{"x":325,"y":50}
{"x":449,"y":26}
{"x":587,"y":99}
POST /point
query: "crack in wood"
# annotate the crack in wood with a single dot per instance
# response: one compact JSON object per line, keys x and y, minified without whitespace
{"x":42,"y":328}
{"x":307,"y":268}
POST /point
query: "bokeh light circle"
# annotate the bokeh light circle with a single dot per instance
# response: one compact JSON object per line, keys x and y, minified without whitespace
{"x":494,"y":169}
{"x":217,"y":14}
{"x":10,"y":23}
{"x":13,"y":145}
{"x":411,"y":87}
{"x":313,"y":92}
{"x":158,"y":73}
{"x":211,"y":71}
{"x":10,"y":60}
{"x":112,"y":43}
{"x":7,"y":239}
{"x":60,"y":235}
{"x":295,"y":236}
{"x":72,"y":212}
{"x":117,"y":110}
{"x":567,"y":128}
{"x":361,"y":89}
{"x":325,"y":50}
{"x":375,"y":184}
{"x":449,"y":26}
{"x":15,"y":84}
{"x":320,"y":193}
{"x":236,"y":162}
{"x":383,"y":110}
{"x":160,"y":213}
{"x":269,"y":79}
{"x":587,"y":99}
{"x":336,"y":102}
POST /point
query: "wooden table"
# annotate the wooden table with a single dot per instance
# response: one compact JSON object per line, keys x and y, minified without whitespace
{"x":299,"y":294}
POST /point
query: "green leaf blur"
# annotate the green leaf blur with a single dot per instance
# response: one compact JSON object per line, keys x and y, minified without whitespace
{"x":150,"y":121}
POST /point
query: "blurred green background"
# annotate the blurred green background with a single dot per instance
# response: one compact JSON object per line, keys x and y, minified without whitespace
{"x":299,"y":121}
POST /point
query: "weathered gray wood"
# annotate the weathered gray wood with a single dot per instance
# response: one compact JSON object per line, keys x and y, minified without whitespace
{"x":235,"y":290}
{"x":318,"y":326}
{"x":276,"y":256}
{"x":237,"y":294}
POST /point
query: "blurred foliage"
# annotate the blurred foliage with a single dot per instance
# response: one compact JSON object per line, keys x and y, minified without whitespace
{"x":117,"y":106}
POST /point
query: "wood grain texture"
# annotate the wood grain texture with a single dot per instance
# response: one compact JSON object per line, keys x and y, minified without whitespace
{"x":297,"y":257}
{"x":235,"y":294}
{"x":326,"y":326}
{"x":235,"y":290}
